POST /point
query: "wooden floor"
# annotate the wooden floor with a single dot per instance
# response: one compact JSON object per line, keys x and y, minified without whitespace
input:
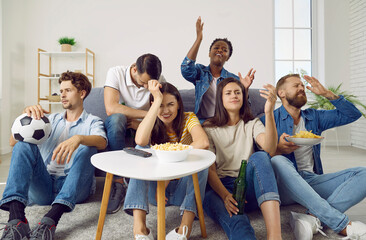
{"x":333,"y":160}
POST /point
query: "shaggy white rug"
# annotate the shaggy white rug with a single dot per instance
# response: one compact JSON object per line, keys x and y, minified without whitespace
{"x":82,"y":222}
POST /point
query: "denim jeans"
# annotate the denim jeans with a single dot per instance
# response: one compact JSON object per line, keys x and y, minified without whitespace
{"x":179,"y":192}
{"x":116,"y":127}
{"x":326,"y":196}
{"x":261,"y":187}
{"x":30,"y":183}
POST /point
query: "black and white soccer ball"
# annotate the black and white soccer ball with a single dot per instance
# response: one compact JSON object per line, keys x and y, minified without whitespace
{"x":30,"y":130}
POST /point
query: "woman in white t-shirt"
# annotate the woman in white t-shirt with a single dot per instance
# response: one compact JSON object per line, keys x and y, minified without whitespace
{"x":166,"y":121}
{"x":232,"y":133}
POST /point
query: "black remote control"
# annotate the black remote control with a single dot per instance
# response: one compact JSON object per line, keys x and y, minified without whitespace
{"x":137,"y":152}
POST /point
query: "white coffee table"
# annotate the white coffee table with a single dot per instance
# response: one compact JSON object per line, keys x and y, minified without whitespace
{"x":123,"y":164}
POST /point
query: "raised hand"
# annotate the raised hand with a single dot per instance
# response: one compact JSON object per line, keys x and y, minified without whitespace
{"x":199,"y":28}
{"x":285,"y":147}
{"x":270,"y":95}
{"x":317,"y":88}
{"x":248,"y":79}
{"x":36,"y":111}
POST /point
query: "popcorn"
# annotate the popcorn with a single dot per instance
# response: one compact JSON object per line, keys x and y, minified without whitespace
{"x":306,"y":134}
{"x":170,"y":147}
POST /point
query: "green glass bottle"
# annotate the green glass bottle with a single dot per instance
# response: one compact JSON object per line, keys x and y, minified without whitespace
{"x":240,"y":187}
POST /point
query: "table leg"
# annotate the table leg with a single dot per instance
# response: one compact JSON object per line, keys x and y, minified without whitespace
{"x":199,"y":204}
{"x":161,"y":209}
{"x":104,"y":205}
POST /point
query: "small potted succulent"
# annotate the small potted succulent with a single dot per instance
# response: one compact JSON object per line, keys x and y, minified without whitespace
{"x":66,"y":43}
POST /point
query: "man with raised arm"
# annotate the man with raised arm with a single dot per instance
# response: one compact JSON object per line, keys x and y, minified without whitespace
{"x":206,"y":78}
{"x":299,"y":170}
{"x":57,"y":172}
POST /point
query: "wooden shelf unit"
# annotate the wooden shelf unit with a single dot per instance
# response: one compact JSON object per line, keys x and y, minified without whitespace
{"x":49,"y":76}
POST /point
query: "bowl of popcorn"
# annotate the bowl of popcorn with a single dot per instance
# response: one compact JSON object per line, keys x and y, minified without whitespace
{"x":305,"y":138}
{"x":172,"y":152}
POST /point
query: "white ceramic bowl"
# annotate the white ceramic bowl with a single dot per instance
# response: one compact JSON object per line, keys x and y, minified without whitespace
{"x":173,"y":156}
{"x":305,"y":141}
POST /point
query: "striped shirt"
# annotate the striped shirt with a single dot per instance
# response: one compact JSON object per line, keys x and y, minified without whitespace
{"x":190,"y":121}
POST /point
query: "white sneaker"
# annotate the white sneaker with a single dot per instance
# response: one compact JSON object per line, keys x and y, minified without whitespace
{"x":356,"y":230}
{"x":174,"y":235}
{"x":145,"y":237}
{"x":305,"y":226}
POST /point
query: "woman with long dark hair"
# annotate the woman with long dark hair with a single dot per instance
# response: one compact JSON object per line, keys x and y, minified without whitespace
{"x":166,"y":121}
{"x":232,"y":133}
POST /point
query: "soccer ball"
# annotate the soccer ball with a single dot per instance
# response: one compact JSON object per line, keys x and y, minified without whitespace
{"x":27,"y":129}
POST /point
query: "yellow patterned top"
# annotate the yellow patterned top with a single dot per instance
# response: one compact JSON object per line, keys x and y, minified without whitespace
{"x":190,"y":120}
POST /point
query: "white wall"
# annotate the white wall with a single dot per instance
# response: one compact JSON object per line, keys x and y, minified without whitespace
{"x":358,"y":66}
{"x":13,"y":66}
{"x":119,"y":31}
{"x":336,"y":56}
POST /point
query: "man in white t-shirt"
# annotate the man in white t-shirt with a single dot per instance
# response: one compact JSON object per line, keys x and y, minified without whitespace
{"x":126,"y":100}
{"x":299,"y":170}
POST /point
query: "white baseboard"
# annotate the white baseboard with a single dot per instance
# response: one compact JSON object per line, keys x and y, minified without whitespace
{"x":5,"y":150}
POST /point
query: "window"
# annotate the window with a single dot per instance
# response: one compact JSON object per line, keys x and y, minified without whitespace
{"x":293,"y":37}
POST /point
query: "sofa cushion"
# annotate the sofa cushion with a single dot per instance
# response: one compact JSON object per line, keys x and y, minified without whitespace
{"x":94,"y":103}
{"x":256,"y":102}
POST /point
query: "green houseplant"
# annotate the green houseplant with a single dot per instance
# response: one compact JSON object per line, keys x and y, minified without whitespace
{"x":66,"y":43}
{"x":323,"y":103}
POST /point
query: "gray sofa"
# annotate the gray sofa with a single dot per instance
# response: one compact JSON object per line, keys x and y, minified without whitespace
{"x":94,"y":103}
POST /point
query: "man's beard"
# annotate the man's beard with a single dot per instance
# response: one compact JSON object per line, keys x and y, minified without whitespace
{"x":67,"y":106}
{"x":297,"y":101}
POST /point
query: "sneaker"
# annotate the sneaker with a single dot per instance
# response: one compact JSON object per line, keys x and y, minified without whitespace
{"x":116,"y":198}
{"x":305,"y":226}
{"x":356,"y":230}
{"x":16,"y":230}
{"x":174,"y":235}
{"x":45,"y":230}
{"x":144,"y":237}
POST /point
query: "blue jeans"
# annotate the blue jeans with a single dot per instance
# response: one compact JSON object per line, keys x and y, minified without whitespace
{"x":30,"y":183}
{"x":116,"y":127}
{"x":179,"y":192}
{"x":261,"y":187}
{"x":326,"y":196}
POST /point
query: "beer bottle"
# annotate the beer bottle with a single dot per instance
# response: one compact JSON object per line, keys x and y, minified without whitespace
{"x":240,"y":187}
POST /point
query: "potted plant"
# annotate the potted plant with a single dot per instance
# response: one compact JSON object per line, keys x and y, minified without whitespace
{"x":66,"y":43}
{"x":323,"y":103}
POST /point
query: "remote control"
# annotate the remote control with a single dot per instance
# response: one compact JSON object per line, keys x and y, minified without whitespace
{"x":137,"y":152}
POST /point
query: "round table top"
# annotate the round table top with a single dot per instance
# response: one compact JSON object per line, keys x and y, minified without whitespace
{"x":123,"y":164}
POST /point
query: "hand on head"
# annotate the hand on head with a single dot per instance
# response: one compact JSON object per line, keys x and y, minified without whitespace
{"x":154,"y":88}
{"x":35,"y":111}
{"x":248,"y":79}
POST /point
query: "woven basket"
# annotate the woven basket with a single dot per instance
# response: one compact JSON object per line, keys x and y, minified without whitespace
{"x":55,"y":98}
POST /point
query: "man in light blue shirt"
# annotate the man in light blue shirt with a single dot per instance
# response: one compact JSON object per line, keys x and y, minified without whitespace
{"x":298,"y":169}
{"x":57,"y":172}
